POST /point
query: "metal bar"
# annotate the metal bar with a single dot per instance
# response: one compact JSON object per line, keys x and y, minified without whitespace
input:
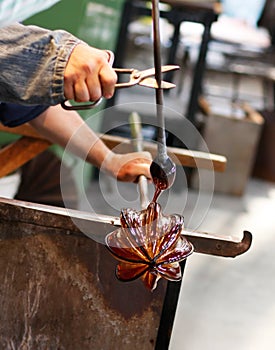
{"x":198,"y":75}
{"x":74,"y":222}
{"x":219,"y":245}
{"x":162,"y":152}
{"x":168,"y":312}
{"x":136,"y":131}
{"x":173,"y":50}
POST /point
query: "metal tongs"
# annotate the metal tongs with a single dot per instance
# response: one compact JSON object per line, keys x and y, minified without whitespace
{"x":136,"y":77}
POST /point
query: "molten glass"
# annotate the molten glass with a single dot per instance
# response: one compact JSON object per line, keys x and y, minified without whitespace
{"x":149,"y":245}
{"x":163,"y":175}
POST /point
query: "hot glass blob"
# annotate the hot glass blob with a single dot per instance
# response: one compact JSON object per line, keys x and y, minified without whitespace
{"x":149,"y":245}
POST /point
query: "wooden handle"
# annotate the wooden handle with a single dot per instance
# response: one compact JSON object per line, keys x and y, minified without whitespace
{"x":185,"y":157}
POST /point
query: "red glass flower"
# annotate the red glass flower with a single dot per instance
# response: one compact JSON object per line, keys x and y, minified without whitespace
{"x":149,"y":245}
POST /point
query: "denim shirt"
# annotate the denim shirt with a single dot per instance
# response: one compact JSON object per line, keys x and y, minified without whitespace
{"x":32,"y":63}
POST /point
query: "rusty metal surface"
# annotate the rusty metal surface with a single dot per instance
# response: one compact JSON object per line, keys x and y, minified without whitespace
{"x":58,"y":288}
{"x":59,"y":291}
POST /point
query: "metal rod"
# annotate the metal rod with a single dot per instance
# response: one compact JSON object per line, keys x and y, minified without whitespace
{"x":137,"y":140}
{"x":162,"y":152}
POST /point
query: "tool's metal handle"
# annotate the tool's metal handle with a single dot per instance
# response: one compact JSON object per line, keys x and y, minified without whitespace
{"x":80,"y":107}
{"x":93,"y":104}
{"x":131,"y":81}
{"x":135,"y":125}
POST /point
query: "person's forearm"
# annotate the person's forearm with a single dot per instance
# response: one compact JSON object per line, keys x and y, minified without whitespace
{"x":33,"y":61}
{"x":68,"y":130}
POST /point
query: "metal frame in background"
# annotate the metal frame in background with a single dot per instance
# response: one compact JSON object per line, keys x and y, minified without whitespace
{"x":180,"y":11}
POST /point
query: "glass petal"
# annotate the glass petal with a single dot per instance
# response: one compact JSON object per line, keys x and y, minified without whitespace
{"x":149,"y":245}
{"x":150,"y":279}
{"x":171,"y":272}
{"x":121,"y":246}
{"x":130,"y":272}
{"x":180,"y":251}
{"x":169,"y":238}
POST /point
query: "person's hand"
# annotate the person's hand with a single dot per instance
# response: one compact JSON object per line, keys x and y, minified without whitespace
{"x":88,"y":75}
{"x":128,"y":167}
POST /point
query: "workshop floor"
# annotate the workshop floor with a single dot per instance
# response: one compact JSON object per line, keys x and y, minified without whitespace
{"x":225,"y":303}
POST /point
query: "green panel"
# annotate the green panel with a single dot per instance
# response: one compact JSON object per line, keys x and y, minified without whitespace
{"x":101,"y":23}
{"x":96,"y":22}
{"x":67,"y":15}
{"x":7,"y":138}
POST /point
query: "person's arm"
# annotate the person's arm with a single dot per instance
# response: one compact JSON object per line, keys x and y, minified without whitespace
{"x":67,"y":129}
{"x":40,"y":66}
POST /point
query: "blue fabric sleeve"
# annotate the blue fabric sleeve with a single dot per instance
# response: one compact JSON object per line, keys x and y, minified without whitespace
{"x":13,"y":114}
{"x":33,"y":61}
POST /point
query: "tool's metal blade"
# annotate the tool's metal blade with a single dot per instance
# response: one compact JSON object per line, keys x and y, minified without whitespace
{"x":152,"y":83}
{"x":150,"y":72}
{"x":169,"y":67}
